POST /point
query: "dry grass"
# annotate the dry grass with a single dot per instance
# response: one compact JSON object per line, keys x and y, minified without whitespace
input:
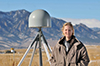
{"x":13,"y":59}
{"x":94,"y":54}
{"x":10,"y":59}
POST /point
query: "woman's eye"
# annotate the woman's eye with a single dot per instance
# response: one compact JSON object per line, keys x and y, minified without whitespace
{"x":65,"y":29}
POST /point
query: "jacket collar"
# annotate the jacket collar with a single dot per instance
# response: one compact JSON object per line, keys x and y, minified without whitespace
{"x":61,"y":41}
{"x":71,"y":41}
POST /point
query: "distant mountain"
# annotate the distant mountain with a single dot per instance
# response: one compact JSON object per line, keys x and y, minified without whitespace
{"x":87,"y":35}
{"x":96,"y":29}
{"x":14,"y":31}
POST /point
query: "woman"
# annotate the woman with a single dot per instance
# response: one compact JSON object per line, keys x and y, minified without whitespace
{"x":69,"y":51}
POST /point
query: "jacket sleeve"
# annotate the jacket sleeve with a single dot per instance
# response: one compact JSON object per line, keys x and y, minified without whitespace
{"x":52,"y":59}
{"x":84,"y":59}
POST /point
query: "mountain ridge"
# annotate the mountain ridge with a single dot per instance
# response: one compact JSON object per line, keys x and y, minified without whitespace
{"x":14,"y":31}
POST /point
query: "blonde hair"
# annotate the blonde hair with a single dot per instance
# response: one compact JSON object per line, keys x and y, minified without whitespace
{"x":68,"y":23}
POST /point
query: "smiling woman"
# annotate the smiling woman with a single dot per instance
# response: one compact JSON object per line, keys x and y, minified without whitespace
{"x":69,"y":51}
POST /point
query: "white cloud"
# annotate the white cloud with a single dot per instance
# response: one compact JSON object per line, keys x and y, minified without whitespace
{"x":88,"y":22}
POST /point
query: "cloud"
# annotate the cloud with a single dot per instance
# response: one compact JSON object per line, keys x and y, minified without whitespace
{"x":88,"y":22}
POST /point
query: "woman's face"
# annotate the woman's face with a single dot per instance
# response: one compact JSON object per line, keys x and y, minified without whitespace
{"x":68,"y":31}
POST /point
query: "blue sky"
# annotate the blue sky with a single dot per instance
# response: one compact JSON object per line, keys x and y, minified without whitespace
{"x":69,"y":10}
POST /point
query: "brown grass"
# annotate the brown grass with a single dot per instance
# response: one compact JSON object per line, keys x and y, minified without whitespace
{"x":11,"y":59}
{"x":94,"y":54}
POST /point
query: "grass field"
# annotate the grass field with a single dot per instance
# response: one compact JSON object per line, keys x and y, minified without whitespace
{"x":94,"y":55}
{"x":10,"y":59}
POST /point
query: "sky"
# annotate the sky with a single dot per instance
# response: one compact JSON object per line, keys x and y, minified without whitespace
{"x":75,"y":11}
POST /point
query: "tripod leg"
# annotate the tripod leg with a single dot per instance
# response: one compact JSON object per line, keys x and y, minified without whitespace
{"x":33,"y":53}
{"x":46,"y":49}
{"x":47,"y":43}
{"x":40,"y":52}
{"x":27,"y":50}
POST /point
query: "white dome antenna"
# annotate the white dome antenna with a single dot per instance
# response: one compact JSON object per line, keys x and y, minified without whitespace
{"x":39,"y":18}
